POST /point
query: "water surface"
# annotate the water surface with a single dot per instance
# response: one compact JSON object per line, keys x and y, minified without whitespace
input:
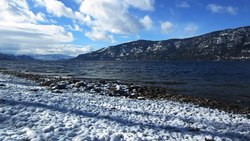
{"x":225,"y":80}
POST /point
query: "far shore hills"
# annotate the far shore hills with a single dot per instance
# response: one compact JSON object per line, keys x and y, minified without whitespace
{"x":228,"y":44}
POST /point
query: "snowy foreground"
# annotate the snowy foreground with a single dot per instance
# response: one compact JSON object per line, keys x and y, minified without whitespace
{"x":30,"y":112}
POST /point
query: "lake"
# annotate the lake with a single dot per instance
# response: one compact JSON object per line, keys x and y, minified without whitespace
{"x":224,"y":80}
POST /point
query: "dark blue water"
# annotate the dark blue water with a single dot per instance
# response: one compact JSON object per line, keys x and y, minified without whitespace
{"x":226,"y":80}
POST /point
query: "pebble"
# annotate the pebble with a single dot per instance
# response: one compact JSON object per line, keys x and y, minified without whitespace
{"x":2,"y":85}
{"x":57,"y":91}
{"x":141,"y":98}
{"x":34,"y":90}
{"x":46,"y":83}
{"x":61,"y":86}
{"x":117,"y":88}
{"x":80,"y":84}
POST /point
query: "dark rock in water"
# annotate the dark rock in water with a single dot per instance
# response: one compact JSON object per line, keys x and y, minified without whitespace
{"x":34,"y":90}
{"x":141,"y":98}
{"x":248,"y":116}
{"x":133,"y":88}
{"x":80,"y":84}
{"x":47,"y":83}
{"x":90,"y":87}
{"x":102,"y":82}
{"x":121,"y":92}
{"x":115,"y":88}
{"x":112,"y":89}
{"x":53,"y":85}
{"x":57,"y":91}
{"x":60,"y":86}
{"x":98,"y":90}
{"x":75,"y":81}
{"x":208,"y":139}
{"x":2,"y":85}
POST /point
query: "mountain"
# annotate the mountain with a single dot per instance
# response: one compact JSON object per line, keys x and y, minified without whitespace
{"x":51,"y":56}
{"x":15,"y":57}
{"x":34,"y":57}
{"x":229,"y":44}
{"x":6,"y":57}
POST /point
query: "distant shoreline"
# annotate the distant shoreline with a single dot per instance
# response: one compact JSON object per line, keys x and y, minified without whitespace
{"x":117,"y":88}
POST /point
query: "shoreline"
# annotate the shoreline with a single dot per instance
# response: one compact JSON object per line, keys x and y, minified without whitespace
{"x":29,"y":111}
{"x":120,"y":89}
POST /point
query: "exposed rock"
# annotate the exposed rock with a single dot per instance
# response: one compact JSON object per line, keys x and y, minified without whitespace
{"x":122,"y":92}
{"x":80,"y":84}
{"x":47,"y":83}
{"x":141,"y":98}
{"x":98,"y":90}
{"x":209,"y":139}
{"x":2,"y":85}
{"x":57,"y":91}
{"x":248,"y":116}
{"x":130,"y":91}
{"x":89,"y":87}
{"x":34,"y":90}
{"x":60,"y":87}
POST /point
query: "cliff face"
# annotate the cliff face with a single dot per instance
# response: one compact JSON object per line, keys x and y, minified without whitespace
{"x":229,"y":44}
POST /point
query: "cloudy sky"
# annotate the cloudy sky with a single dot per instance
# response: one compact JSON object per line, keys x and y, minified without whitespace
{"x":78,"y":26}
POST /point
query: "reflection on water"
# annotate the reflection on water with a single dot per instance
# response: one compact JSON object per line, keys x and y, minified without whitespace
{"x":227,"y":80}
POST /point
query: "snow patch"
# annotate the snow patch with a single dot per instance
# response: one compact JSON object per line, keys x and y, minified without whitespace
{"x":43,"y":115}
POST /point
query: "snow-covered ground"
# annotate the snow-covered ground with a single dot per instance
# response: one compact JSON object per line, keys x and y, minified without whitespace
{"x":31,"y":112}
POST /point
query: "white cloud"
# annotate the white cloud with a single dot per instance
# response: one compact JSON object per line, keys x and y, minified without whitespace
{"x":147,"y":5}
{"x":50,"y":33}
{"x":214,"y":8}
{"x":21,"y":31}
{"x":78,"y":1}
{"x":166,"y":27}
{"x":26,"y":38}
{"x":183,"y":4}
{"x":57,"y":8}
{"x":18,"y":11}
{"x":97,"y":35}
{"x":113,"y":17}
{"x":75,"y":27}
{"x":68,"y":49}
{"x":231,"y":10}
{"x":32,"y":35}
{"x":108,"y":16}
{"x":83,"y":19}
{"x":147,"y":22}
{"x":191,"y":28}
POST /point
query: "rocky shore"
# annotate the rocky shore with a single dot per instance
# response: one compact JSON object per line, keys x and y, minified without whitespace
{"x":58,"y":84}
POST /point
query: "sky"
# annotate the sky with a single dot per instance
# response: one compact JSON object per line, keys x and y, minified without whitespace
{"x":74,"y":27}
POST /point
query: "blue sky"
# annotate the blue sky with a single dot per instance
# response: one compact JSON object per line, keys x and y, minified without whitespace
{"x":78,"y":26}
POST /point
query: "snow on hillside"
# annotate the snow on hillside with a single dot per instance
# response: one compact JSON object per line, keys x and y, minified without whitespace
{"x":31,"y":112}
